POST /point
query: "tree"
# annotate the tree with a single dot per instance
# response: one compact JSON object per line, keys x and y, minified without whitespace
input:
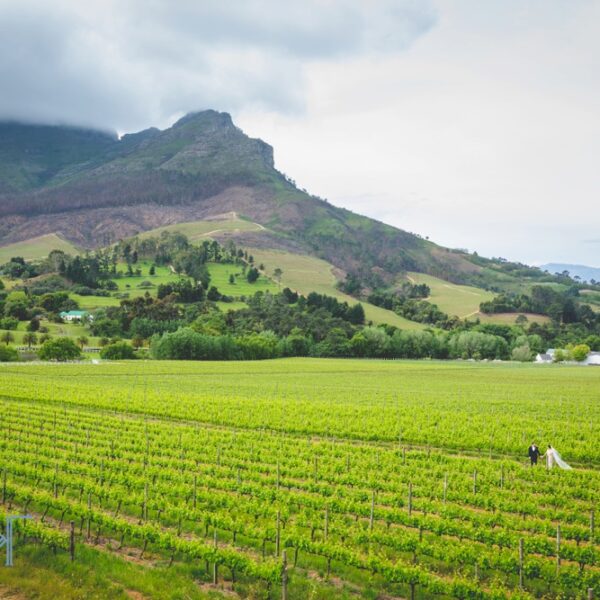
{"x":152,"y":270}
{"x":356,"y":314}
{"x":252,"y":275}
{"x":117,"y":351}
{"x":30,"y":339}
{"x":580,"y":352}
{"x":522,"y":353}
{"x":277,"y":273}
{"x":137,"y":342}
{"x":82,"y":340}
{"x":521,"y":320}
{"x":7,"y":337}
{"x":8,"y":354}
{"x":60,"y":349}
{"x":231,"y":278}
{"x":33,"y":325}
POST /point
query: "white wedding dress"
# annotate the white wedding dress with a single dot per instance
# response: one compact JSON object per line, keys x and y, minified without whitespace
{"x":554,"y":458}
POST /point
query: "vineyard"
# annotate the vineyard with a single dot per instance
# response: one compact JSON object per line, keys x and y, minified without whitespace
{"x":372,"y":479}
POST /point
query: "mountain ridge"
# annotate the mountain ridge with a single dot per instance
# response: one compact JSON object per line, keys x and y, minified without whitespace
{"x":93,"y":188}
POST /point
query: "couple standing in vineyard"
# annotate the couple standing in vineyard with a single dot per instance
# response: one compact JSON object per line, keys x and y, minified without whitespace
{"x":551,"y":455}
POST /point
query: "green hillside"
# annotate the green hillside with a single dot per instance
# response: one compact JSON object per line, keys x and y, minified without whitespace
{"x":197,"y":230}
{"x":456,"y":300}
{"x":306,"y":274}
{"x":37,"y":248}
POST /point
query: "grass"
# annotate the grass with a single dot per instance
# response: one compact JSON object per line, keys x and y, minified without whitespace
{"x":510,"y":318}
{"x":456,"y":300}
{"x":72,"y":330}
{"x":94,"y":575}
{"x":306,"y":274}
{"x":198,"y":230}
{"x":36,"y":248}
{"x":219,"y":276}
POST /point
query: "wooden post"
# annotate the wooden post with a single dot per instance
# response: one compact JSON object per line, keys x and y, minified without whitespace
{"x":590,"y":593}
{"x":410,"y":499}
{"x":557,"y":549}
{"x":145,"y":511}
{"x":278,"y":475}
{"x":72,"y":541}
{"x":215,"y":565}
{"x":89,"y":522}
{"x":403,"y":455}
{"x":347,"y":463}
{"x":372,"y":515}
{"x":278,"y":533}
{"x":445,"y":486}
{"x":284,"y":577}
{"x":521,"y":563}
{"x":326,"y":528}
{"x":195,"y":491}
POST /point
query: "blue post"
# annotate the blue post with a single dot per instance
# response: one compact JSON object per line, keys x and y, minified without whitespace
{"x":7,"y":539}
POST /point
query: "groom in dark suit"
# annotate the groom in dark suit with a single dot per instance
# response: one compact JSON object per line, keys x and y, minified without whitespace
{"x":534,"y":453}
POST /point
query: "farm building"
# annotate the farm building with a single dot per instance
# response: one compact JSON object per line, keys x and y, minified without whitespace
{"x":75,"y":315}
{"x":593,"y":358}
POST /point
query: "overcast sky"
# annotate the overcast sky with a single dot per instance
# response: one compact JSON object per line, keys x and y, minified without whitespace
{"x":476,"y":123}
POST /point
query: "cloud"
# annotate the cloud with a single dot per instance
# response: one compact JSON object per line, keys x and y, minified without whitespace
{"x":134,"y":63}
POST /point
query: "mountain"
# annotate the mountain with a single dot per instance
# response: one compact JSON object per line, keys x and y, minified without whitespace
{"x":92,"y":188}
{"x":585,"y":273}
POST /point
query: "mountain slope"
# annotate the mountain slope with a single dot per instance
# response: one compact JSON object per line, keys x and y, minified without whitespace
{"x":92,"y":188}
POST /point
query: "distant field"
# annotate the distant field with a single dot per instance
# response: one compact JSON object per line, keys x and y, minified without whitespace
{"x":306,"y":274}
{"x":196,"y":230}
{"x":460,"y":300}
{"x":36,"y":248}
{"x":510,"y":318}
{"x":73,"y":330}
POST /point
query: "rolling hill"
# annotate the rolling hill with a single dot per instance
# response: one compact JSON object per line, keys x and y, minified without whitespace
{"x":95,"y":188}
{"x":64,"y":186}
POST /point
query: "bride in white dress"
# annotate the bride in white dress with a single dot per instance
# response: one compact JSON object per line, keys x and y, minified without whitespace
{"x":554,"y":458}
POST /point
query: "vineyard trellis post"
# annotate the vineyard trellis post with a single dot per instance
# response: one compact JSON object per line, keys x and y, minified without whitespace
{"x":445,"y":486}
{"x":557,"y":549}
{"x":284,"y":577}
{"x":72,"y":541}
{"x":278,"y":533}
{"x":7,"y":538}
{"x":521,"y":553}
{"x":592,"y":524}
{"x":215,"y":564}
{"x":410,"y":493}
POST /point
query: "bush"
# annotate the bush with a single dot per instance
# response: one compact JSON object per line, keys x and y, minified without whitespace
{"x":9,"y":323}
{"x":522,"y":353}
{"x":8,"y":354}
{"x":60,"y":349}
{"x":118,"y":351}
